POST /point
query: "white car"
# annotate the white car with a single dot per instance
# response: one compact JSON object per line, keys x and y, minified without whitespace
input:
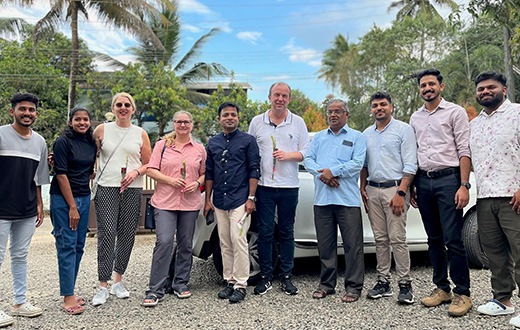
{"x":206,"y":242}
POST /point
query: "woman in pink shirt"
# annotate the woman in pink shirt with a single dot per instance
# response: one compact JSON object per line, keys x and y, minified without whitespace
{"x":177,"y":165}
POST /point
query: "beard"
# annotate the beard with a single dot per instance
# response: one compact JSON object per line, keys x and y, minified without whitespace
{"x":492,"y":102}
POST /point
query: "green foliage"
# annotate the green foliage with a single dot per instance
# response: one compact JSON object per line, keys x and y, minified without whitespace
{"x":25,"y":69}
{"x":157,"y":93}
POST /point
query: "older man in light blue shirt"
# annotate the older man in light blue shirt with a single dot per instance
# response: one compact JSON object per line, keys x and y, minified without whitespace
{"x":389,"y":170}
{"x":335,"y":158}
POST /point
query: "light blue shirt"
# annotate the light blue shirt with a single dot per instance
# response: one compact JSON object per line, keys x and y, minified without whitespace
{"x":390,"y":152}
{"x":343,"y":154}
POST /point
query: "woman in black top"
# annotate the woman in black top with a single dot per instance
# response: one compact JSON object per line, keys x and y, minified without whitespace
{"x":74,"y":158}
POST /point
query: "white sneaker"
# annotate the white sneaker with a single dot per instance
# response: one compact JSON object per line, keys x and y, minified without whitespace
{"x":5,"y":319}
{"x":495,"y":308}
{"x":515,"y":321}
{"x":26,"y":310}
{"x":101,"y":296}
{"x":119,"y":290}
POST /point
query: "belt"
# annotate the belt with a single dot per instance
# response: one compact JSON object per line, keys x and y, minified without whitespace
{"x":385,"y":184}
{"x":440,"y":173}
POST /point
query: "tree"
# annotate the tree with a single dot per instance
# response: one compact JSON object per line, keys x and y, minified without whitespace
{"x":501,"y":11}
{"x":124,"y":14}
{"x":330,"y":69}
{"x":413,"y":8}
{"x":166,"y":27}
{"x":24,"y":69}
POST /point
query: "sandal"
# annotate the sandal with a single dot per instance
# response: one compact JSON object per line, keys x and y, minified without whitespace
{"x":151,"y":300}
{"x":183,"y":294}
{"x":350,"y":297}
{"x":73,"y":310}
{"x":80,"y":301}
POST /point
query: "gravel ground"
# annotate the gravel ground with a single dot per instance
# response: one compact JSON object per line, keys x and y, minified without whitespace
{"x":205,"y":311}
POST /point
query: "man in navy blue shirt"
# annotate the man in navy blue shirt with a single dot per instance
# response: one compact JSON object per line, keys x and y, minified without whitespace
{"x":232,"y":173}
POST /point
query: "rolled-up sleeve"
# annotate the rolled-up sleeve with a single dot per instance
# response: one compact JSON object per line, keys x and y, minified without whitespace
{"x":409,"y":150}
{"x":461,"y":132}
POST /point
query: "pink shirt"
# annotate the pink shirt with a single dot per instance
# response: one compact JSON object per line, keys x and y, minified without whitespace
{"x":167,"y":197}
{"x":442,"y":136}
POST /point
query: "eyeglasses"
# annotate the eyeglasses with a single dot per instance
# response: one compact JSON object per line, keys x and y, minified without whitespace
{"x":224,"y":156}
{"x":181,"y":122}
{"x":335,"y":112}
{"x":120,"y":105}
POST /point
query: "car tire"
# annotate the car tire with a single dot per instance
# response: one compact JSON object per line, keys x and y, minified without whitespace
{"x":476,"y":256}
{"x":254,"y":263}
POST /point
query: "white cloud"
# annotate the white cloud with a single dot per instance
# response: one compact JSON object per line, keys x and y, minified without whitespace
{"x":190,"y":28}
{"x":302,"y":55}
{"x":193,"y":6}
{"x":250,"y":36}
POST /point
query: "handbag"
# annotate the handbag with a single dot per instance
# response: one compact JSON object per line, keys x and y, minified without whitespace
{"x":93,"y":190}
{"x":149,"y":217}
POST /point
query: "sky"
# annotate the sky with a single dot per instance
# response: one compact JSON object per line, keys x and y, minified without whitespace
{"x":261,"y":41}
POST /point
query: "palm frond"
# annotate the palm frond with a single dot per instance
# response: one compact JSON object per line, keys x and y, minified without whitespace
{"x":195,"y":50}
{"x":203,"y":71}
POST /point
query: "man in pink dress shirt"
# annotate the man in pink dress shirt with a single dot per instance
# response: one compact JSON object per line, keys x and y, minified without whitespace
{"x":442,"y":190}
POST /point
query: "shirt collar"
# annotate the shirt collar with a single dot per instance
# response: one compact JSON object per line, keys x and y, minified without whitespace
{"x":442,"y":105}
{"x":286,"y":121}
{"x":501,"y":108}
{"x":384,"y":128}
{"x":230,"y":135}
{"x":344,"y":130}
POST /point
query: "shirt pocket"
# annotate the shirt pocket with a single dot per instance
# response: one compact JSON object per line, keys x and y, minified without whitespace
{"x":344,"y":153}
{"x":391,"y":147}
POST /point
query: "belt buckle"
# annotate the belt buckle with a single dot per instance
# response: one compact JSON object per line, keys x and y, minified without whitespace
{"x":429,"y":173}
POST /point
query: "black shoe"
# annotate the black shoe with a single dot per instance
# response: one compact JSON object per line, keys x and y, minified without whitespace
{"x":226,"y":292}
{"x":405,"y":294}
{"x":287,"y":285}
{"x":381,"y":289}
{"x":264,"y":286}
{"x":237,"y":296}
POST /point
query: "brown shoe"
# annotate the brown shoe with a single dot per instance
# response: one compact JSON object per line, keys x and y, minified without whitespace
{"x":350,"y":297}
{"x":437,"y":297}
{"x":460,"y":305}
{"x":320,"y":293}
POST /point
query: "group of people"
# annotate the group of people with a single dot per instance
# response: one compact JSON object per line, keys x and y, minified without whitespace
{"x":427,"y":164}
{"x":387,"y":168}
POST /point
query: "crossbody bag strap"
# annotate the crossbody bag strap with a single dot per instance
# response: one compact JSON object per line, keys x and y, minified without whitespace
{"x":112,"y":154}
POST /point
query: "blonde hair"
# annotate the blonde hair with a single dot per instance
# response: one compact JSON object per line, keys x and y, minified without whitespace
{"x":170,"y":137}
{"x":126,"y":95}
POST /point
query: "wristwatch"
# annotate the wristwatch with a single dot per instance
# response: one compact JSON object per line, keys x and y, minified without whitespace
{"x":252,"y":198}
{"x":401,"y":193}
{"x":466,"y":184}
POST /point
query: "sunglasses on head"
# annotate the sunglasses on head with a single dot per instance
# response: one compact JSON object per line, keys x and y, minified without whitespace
{"x":120,"y":105}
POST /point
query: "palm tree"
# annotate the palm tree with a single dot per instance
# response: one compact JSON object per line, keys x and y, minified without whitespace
{"x":168,"y":32}
{"x":124,"y":14}
{"x":414,"y":7}
{"x":11,"y":26}
{"x":330,"y":62}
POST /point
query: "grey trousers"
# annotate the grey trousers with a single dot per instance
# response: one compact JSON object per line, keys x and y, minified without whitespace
{"x":327,"y":219}
{"x":168,"y":225}
{"x":499,"y":231}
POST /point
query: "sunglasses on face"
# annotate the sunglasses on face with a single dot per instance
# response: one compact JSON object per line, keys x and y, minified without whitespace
{"x":120,"y":105}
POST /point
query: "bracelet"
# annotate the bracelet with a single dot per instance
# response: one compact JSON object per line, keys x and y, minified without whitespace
{"x":200,"y":184}
{"x":138,"y":173}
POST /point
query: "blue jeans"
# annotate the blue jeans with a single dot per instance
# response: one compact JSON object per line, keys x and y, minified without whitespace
{"x":283,"y":201}
{"x":69,"y":243}
{"x":20,"y":232}
{"x":443,"y":225}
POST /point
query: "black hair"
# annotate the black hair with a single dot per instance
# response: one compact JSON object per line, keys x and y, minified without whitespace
{"x":429,"y":72}
{"x":380,"y":96}
{"x":494,"y":75}
{"x":24,"y":97}
{"x":69,"y":131}
{"x":227,"y":104}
